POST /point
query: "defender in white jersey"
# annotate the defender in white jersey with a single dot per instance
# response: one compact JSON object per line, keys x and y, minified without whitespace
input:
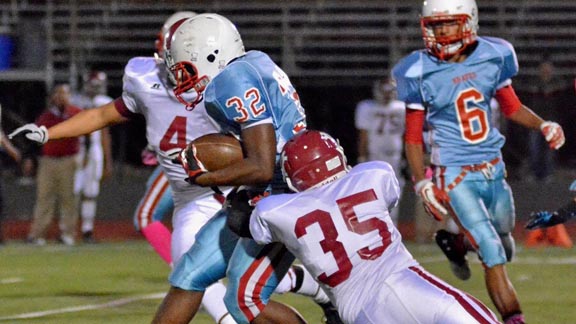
{"x":338,"y":224}
{"x":169,"y":127}
{"x":146,"y":91}
{"x":95,"y":156}
{"x":380,"y":125}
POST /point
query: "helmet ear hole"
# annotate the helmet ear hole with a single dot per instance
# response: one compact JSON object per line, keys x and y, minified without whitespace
{"x":211,"y":58}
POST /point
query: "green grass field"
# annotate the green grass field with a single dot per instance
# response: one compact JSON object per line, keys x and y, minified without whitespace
{"x":123,"y":283}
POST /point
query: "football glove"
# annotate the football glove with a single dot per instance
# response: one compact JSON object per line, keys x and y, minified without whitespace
{"x":189,"y":161}
{"x":239,"y":205}
{"x":33,"y":132}
{"x":553,"y":134}
{"x":543,"y":219}
{"x":433,"y":199}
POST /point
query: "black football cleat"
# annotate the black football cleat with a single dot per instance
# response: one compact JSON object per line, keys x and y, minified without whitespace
{"x":453,"y":247}
{"x":330,"y":314}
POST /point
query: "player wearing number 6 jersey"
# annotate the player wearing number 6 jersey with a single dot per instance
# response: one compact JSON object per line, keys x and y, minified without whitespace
{"x":339,"y":226}
{"x":449,"y":85}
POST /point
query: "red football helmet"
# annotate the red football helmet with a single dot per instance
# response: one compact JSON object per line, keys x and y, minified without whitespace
{"x":95,"y":83}
{"x":311,"y":159}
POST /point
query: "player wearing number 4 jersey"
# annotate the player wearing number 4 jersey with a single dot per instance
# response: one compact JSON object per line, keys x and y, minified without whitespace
{"x":146,"y":91}
{"x":450,"y":85}
{"x":339,"y":226}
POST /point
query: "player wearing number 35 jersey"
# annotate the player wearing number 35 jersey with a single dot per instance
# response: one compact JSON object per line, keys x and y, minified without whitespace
{"x":339,"y":226}
{"x":450,"y":85}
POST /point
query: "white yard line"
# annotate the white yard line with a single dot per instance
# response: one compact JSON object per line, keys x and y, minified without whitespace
{"x":516,"y":260}
{"x":7,"y":281}
{"x":114,"y":303}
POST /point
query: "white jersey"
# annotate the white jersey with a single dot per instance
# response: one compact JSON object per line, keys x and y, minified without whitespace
{"x":169,"y":126}
{"x":341,"y":232}
{"x":82,"y":101}
{"x":385,"y":127}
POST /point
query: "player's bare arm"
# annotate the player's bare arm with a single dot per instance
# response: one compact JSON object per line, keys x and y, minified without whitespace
{"x":526,"y":117}
{"x":87,"y":121}
{"x":257,"y":167}
{"x":415,"y":158}
{"x":552,"y":131}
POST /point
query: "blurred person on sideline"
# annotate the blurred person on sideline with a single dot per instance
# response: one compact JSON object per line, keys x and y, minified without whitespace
{"x":338,"y":224}
{"x":147,"y":92}
{"x":544,"y":93}
{"x":547,"y":219}
{"x":55,"y":175}
{"x":14,"y":153}
{"x":380,"y":125}
{"x":95,"y":157}
{"x":450,"y":85}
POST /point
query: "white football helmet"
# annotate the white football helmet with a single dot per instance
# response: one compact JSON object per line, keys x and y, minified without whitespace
{"x":160,"y":43}
{"x":462,"y":12}
{"x":198,"y":49}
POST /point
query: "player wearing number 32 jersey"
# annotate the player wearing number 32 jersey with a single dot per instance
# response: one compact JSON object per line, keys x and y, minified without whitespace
{"x":339,"y":226}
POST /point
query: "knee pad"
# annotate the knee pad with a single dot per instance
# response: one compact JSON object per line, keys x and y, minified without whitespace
{"x":490,"y":248}
{"x":509,"y":246}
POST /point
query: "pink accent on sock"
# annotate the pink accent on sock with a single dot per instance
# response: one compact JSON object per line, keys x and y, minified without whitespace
{"x":159,"y":237}
{"x":515,"y":319}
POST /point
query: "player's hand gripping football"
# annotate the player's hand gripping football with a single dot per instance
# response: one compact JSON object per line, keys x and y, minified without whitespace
{"x":553,"y":133}
{"x":433,"y":199}
{"x":189,"y":161}
{"x":33,"y":132}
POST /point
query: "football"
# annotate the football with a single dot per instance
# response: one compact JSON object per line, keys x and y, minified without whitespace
{"x":217,"y":151}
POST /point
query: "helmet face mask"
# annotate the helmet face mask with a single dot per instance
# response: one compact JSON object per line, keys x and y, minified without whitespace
{"x":198,"y":49}
{"x":461,"y":14}
{"x":312,"y":159}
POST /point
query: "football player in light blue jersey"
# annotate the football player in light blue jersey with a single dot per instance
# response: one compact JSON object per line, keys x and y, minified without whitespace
{"x":449,"y":85}
{"x":248,"y":96}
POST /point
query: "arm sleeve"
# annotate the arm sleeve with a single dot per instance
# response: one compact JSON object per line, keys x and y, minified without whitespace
{"x":391,"y":188}
{"x":134,"y":82}
{"x":508,"y":100}
{"x":122,"y":109}
{"x":510,"y":66}
{"x":407,"y":74}
{"x":259,"y":227}
{"x":414,"y":126}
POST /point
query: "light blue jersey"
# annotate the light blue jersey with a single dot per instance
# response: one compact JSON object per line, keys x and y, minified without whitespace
{"x":254,"y":90}
{"x":457,"y":96}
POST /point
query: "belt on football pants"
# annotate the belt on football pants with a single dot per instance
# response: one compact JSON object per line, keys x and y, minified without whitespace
{"x":485,"y":167}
